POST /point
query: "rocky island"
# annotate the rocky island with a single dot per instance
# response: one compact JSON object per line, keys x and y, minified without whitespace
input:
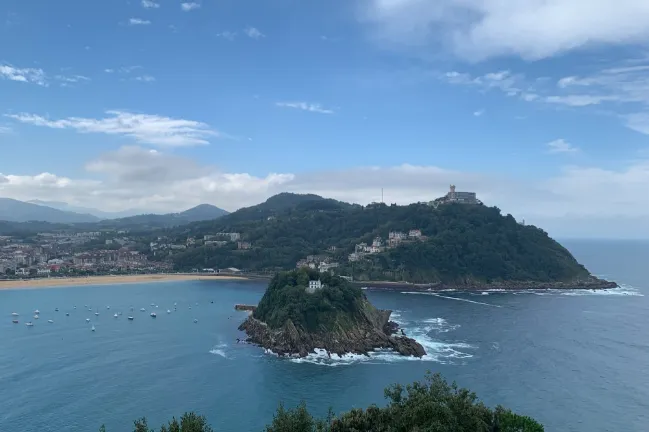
{"x":303,"y":310}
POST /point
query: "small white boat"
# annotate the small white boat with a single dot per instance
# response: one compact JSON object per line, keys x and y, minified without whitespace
{"x":130,"y":318}
{"x":93,"y":328}
{"x":96,"y":313}
{"x":115,"y":315}
{"x":29,"y":324}
{"x":87,"y":319}
{"x":175,"y":304}
{"x":50,"y":321}
{"x":75,"y":307}
{"x":37,"y":312}
{"x":190,"y":307}
{"x":35,"y":316}
{"x":107,"y":307}
{"x":152,"y":304}
{"x":153,"y":315}
{"x":168,"y":311}
{"x":14,"y":314}
{"x":67,"y":314}
{"x":142,"y":310}
{"x":195,"y":320}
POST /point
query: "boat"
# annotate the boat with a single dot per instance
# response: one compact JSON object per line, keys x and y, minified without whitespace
{"x":152,"y":304}
{"x":56,"y":309}
{"x":14,"y":314}
{"x":87,"y":319}
{"x":153,"y":315}
{"x":67,"y":314}
{"x":14,"y":321}
{"x":37,"y":312}
{"x":75,"y":307}
{"x":97,"y":313}
{"x":130,"y":318}
{"x":168,"y":311}
{"x":190,"y":307}
{"x":115,"y":315}
{"x":142,"y":310}
{"x":50,"y":321}
{"x":35,"y":316}
{"x":29,"y":324}
{"x":175,"y":304}
{"x":195,"y":320}
{"x":93,"y":328}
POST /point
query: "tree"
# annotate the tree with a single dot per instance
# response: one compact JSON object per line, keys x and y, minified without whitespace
{"x":432,"y":405}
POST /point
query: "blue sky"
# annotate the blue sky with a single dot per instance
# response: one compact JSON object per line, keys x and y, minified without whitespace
{"x":161,"y":105}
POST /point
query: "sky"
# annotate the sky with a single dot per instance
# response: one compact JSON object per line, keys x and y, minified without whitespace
{"x":541,"y":107}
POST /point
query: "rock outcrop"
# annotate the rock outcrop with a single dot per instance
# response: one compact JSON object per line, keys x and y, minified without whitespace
{"x":371,"y":331}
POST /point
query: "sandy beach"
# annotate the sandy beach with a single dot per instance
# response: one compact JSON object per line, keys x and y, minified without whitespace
{"x":106,"y":280}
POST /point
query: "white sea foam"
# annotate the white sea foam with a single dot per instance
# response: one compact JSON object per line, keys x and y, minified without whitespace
{"x":622,"y":290}
{"x":449,"y":298}
{"x":440,"y":325}
{"x":436,"y":351}
{"x":219,"y":350}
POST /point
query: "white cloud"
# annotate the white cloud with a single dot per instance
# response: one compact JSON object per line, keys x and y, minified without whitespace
{"x":144,"y":78}
{"x":567,"y":204}
{"x":305,"y":106}
{"x":189,"y":6}
{"x":561,"y":146}
{"x":531,"y":29}
{"x":148,"y":4}
{"x":227,"y":35}
{"x":478,"y":113}
{"x":143,"y":128}
{"x":109,"y":70}
{"x":138,"y":21}
{"x":27,"y":75}
{"x":5,"y":129}
{"x":71,"y":79}
{"x":253,"y":33}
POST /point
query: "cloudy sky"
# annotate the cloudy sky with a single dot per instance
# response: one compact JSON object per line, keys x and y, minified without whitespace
{"x":541,"y":107}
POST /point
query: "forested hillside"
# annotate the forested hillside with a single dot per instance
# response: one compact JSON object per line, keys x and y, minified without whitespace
{"x":459,"y":243}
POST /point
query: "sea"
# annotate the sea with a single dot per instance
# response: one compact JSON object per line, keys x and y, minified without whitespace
{"x":574,"y":360}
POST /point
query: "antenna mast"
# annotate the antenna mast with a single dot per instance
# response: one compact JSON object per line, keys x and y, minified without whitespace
{"x":381,"y":195}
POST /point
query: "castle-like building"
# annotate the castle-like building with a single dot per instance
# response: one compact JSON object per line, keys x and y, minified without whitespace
{"x":461,"y":197}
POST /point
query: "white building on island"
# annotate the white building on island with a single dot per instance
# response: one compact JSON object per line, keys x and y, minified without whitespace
{"x":314,"y":285}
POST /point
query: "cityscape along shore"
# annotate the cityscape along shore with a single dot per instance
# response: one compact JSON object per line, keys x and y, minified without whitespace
{"x":52,"y":282}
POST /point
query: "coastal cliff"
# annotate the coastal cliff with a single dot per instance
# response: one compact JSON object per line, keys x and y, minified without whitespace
{"x":292,"y":319}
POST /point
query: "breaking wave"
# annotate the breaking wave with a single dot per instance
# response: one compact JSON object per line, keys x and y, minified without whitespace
{"x":436,"y":350}
{"x":219,"y":350}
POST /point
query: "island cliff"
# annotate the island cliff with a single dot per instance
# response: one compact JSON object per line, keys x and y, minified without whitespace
{"x":302,"y":311}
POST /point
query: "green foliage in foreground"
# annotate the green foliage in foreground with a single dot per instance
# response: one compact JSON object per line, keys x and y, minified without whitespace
{"x":429,"y":406}
{"x":286,"y":299}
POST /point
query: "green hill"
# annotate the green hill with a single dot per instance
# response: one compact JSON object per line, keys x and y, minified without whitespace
{"x":459,"y":244}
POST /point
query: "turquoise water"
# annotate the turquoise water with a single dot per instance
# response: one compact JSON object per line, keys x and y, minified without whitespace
{"x":577,"y":361}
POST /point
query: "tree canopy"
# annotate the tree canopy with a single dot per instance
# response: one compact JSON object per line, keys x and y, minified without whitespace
{"x":286,"y":298}
{"x":432,"y":405}
{"x":461,"y":242}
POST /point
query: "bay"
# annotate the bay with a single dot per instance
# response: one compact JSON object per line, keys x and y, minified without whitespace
{"x":576,"y":361}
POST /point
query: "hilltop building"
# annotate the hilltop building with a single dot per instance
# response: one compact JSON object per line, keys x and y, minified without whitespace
{"x":461,"y":197}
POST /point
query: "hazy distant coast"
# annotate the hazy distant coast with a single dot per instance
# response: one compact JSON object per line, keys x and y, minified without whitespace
{"x":106,"y":280}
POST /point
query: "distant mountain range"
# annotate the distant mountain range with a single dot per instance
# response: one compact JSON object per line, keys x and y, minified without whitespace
{"x":62,"y":213}
{"x":87,"y":210}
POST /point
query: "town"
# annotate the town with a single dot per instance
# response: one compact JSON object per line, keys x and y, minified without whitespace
{"x":48,"y":254}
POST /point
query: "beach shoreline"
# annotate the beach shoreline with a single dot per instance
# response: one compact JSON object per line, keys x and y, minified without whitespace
{"x":59,"y":282}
